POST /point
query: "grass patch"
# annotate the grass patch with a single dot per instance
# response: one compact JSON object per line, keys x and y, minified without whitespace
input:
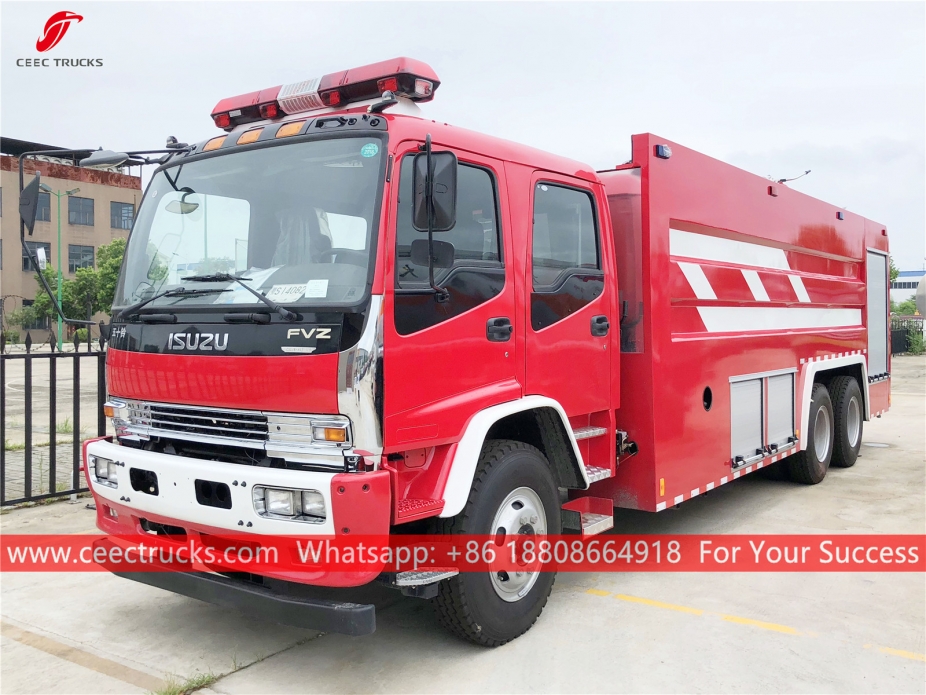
{"x":65,"y":427}
{"x":190,"y":685}
{"x":19,"y":446}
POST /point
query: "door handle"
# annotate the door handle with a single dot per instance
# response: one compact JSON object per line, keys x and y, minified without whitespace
{"x":499,"y":330}
{"x":600,"y":326}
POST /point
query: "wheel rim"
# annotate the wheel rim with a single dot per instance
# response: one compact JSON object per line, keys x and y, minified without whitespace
{"x":821,"y":434}
{"x":853,"y":422}
{"x":521,"y":513}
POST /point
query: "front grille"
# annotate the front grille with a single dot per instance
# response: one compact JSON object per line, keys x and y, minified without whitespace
{"x":216,"y":423}
{"x":281,"y":435}
{"x":243,"y":428}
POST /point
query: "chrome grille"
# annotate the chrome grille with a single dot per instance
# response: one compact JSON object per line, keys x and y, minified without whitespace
{"x":285,"y":435}
{"x":251,"y":426}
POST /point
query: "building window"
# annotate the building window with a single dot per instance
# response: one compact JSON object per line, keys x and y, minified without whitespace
{"x":34,"y":246}
{"x":80,"y":211}
{"x":121,"y":215}
{"x":79,"y":257}
{"x":37,"y":325}
{"x":43,"y":211}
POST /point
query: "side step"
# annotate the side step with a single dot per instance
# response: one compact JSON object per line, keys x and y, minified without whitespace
{"x":595,"y":474}
{"x":428,"y":576}
{"x":588,"y":432}
{"x":589,"y":515}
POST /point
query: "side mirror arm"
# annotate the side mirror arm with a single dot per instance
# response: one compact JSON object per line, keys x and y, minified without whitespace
{"x":440,"y":293}
{"x":28,"y":251}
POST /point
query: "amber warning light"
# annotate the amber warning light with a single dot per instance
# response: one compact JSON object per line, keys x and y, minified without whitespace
{"x":403,"y":77}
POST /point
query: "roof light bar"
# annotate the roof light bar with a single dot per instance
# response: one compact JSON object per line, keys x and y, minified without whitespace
{"x":404,"y":77}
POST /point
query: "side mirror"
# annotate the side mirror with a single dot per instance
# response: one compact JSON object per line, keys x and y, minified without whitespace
{"x":444,"y":188}
{"x":441,"y":258}
{"x":29,"y":202}
{"x":102,"y":159}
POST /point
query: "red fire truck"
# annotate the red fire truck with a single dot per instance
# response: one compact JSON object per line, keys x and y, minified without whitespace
{"x":338,"y":316}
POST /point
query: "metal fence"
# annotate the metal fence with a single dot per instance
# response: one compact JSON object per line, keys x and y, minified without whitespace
{"x":29,"y":386}
{"x":903,"y":328}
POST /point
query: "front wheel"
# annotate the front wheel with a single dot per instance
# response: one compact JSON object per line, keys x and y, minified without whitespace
{"x":513,"y":493}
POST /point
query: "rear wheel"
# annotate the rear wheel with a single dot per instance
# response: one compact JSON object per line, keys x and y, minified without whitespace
{"x":847,"y":411}
{"x":513,"y":493}
{"x":810,"y":466}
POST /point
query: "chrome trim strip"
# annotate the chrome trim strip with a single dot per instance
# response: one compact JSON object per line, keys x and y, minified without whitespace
{"x":359,"y":373}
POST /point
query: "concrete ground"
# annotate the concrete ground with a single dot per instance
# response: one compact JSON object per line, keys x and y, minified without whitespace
{"x":788,"y":632}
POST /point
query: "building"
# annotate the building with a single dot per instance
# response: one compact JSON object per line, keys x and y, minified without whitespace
{"x":904,"y":287}
{"x":100,"y":210}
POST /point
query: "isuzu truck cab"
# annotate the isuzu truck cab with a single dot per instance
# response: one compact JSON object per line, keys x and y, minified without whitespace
{"x":338,"y":316}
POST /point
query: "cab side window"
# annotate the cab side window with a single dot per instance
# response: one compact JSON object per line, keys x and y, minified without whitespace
{"x":565,"y":255}
{"x":477,"y":274}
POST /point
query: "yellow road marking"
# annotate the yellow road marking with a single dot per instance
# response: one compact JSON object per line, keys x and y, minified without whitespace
{"x":597,"y":592}
{"x":659,"y":604}
{"x":902,"y":653}
{"x":774,"y":627}
{"x":77,"y":656}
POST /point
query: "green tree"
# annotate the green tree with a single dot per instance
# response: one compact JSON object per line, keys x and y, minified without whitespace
{"x":894,"y":271}
{"x":109,"y":262}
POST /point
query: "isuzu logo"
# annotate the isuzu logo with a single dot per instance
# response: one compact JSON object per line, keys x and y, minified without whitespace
{"x":197,"y":341}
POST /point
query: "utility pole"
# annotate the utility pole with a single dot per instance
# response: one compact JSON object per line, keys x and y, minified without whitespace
{"x":59,"y":195}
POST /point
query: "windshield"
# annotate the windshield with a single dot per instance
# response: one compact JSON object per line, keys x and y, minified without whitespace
{"x":294,"y":221}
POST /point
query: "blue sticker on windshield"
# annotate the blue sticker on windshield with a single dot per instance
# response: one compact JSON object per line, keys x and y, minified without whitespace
{"x":369,"y":150}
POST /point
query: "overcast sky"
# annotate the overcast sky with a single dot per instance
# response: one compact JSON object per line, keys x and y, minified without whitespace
{"x":774,"y":88}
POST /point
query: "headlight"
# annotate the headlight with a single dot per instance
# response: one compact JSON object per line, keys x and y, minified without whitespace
{"x":104,"y":471}
{"x":284,"y":503}
{"x":280,"y":502}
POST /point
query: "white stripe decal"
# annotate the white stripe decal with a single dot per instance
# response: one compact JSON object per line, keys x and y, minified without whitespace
{"x":729,"y":319}
{"x":798,"y":285}
{"x":756,"y":286}
{"x":711,"y":248}
{"x":698,"y":281}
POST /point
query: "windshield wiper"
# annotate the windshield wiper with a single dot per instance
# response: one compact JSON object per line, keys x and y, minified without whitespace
{"x":176,"y":292}
{"x":225,"y":277}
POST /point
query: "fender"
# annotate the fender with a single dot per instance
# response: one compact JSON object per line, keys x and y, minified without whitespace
{"x":466,"y":457}
{"x":810,"y":370}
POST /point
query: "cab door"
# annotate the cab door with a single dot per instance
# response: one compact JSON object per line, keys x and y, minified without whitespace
{"x":568,"y":321}
{"x":446,"y":360}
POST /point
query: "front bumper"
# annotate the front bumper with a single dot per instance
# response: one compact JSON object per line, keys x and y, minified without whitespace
{"x":356,"y":503}
{"x":265,"y":603}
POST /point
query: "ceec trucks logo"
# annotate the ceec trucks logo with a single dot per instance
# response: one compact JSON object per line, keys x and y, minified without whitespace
{"x":55,"y":29}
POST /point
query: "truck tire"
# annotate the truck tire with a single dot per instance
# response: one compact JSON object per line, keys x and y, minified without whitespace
{"x":810,"y":466}
{"x":847,"y":411}
{"x":514,"y":489}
